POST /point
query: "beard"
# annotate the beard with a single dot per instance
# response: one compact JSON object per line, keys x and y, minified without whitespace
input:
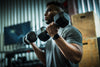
{"x":49,"y":21}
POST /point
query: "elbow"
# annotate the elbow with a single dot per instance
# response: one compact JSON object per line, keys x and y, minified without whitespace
{"x":76,"y":60}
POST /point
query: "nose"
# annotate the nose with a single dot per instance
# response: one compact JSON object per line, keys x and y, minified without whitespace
{"x":45,"y":14}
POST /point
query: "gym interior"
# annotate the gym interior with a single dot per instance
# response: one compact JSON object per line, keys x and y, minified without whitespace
{"x":18,"y":17}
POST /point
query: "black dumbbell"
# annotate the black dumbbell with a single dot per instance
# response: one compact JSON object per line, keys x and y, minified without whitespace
{"x":61,"y":19}
{"x":30,"y":37}
{"x":42,"y":34}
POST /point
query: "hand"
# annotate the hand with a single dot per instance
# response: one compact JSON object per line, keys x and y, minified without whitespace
{"x":52,"y":29}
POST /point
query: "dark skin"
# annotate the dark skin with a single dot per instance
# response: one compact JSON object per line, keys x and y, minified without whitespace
{"x":71,"y":51}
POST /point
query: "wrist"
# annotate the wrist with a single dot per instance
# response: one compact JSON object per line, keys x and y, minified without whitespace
{"x":56,"y":36}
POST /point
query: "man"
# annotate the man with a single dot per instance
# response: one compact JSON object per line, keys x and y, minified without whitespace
{"x":64,"y":49}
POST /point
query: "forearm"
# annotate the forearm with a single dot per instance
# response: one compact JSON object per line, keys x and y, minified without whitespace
{"x":40,"y":54}
{"x":71,"y":52}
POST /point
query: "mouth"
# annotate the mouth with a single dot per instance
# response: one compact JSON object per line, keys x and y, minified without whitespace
{"x":45,"y":18}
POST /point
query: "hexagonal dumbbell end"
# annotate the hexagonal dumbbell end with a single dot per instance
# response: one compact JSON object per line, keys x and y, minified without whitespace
{"x":30,"y":37}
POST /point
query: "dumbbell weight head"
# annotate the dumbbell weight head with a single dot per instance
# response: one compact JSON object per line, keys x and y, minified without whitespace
{"x":42,"y":34}
{"x":61,"y":19}
{"x":30,"y":37}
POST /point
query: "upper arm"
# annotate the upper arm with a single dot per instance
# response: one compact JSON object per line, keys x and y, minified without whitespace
{"x":73,"y":36}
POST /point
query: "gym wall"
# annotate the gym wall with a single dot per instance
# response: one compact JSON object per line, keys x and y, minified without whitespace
{"x":89,"y":5}
{"x":14,"y":12}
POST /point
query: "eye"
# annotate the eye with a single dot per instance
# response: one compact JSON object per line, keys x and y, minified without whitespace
{"x":49,"y":10}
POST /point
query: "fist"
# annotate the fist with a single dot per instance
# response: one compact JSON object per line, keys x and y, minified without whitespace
{"x":52,"y":29}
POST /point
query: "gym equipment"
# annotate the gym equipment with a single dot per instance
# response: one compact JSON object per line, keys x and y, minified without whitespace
{"x":42,"y":34}
{"x":61,"y":20}
{"x":30,"y":37}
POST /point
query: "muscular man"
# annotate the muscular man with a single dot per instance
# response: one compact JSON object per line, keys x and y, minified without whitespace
{"x":64,"y":48}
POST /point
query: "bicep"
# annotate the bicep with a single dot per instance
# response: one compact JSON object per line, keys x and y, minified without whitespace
{"x":73,"y":36}
{"x":78,"y":47}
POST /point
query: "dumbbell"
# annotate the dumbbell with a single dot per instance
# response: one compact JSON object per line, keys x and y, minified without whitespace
{"x":30,"y":37}
{"x":61,"y":20}
{"x":42,"y":34}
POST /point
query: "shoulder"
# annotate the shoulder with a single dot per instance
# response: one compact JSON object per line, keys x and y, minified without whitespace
{"x":72,"y":35}
{"x":71,"y":30}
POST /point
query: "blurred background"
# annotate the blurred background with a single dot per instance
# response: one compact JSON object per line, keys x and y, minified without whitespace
{"x":18,"y":17}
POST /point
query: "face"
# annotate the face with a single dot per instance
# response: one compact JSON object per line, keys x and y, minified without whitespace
{"x":51,"y":11}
